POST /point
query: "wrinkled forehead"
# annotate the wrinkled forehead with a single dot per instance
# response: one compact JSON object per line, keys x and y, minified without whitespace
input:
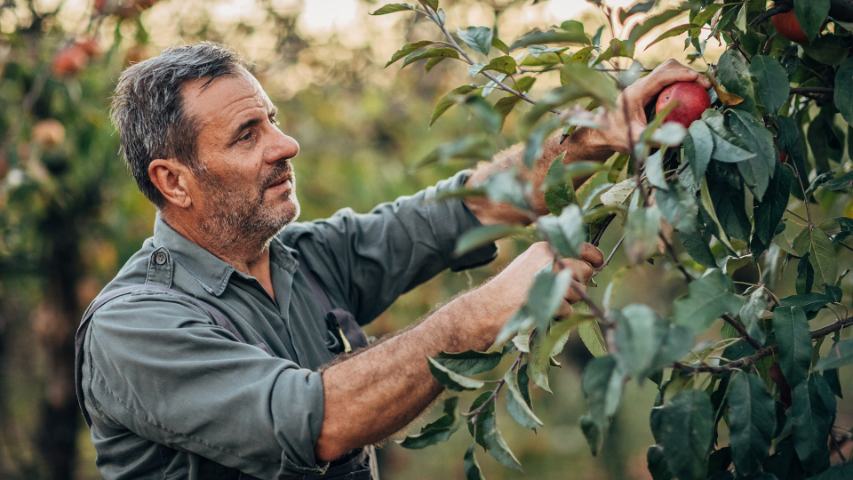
{"x":220,"y":99}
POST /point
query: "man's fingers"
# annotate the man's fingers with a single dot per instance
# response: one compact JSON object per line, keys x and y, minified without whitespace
{"x":666,"y":74}
{"x":574,"y":293}
{"x":592,"y":255}
{"x":581,"y":270}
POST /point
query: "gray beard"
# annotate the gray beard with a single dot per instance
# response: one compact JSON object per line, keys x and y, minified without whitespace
{"x":237,"y":224}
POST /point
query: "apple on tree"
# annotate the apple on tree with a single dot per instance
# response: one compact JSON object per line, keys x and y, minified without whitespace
{"x":691,"y":98}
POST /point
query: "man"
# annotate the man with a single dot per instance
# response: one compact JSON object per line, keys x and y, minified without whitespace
{"x":210,"y":355}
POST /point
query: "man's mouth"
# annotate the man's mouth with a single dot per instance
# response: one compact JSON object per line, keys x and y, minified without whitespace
{"x":283,"y":184}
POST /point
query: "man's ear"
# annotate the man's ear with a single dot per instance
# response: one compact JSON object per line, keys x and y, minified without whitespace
{"x":173,"y":179}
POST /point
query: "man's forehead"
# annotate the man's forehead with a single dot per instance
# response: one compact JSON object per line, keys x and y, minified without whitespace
{"x":224,"y":97}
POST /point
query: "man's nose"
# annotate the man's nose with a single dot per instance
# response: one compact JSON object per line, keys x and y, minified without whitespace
{"x":285,"y":147}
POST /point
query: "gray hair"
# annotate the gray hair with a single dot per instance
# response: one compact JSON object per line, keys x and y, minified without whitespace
{"x":148,"y":111}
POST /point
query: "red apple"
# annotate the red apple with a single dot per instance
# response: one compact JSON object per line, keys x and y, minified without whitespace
{"x":89,"y":45}
{"x":789,"y":27}
{"x":69,"y":60}
{"x":692,"y":100}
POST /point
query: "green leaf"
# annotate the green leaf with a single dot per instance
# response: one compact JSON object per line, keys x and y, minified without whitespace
{"x":709,"y":297}
{"x":480,"y":236}
{"x":617,"y":48}
{"x":698,"y":148}
{"x":546,"y":346}
{"x":505,"y":187}
{"x":407,"y":49}
{"x":393,"y":8}
{"x":565,"y":233}
{"x":679,"y":208}
{"x":751,"y":314}
{"x":520,"y":321}
{"x":811,"y":14}
{"x":771,"y":82}
{"x":758,"y":170}
{"x":597,"y":85}
{"x":769,"y":211}
{"x":733,"y":73}
{"x":490,"y":438}
{"x":843,"y":94}
{"x":839,"y":355}
{"x":752,"y":421}
{"x":656,"y":461}
{"x":453,"y":97}
{"x":670,"y":134}
{"x":558,"y":189}
{"x":471,"y":147}
{"x":536,"y":37}
{"x":674,"y":32}
{"x":653,"y":21}
{"x":431,"y":4}
{"x":639,"y":335}
{"x":654,"y":170}
{"x":518,"y":409}
{"x":592,"y":338}
{"x":685,"y":431}
{"x":442,"y":52}
{"x":478,"y":38}
{"x":641,"y":233}
{"x":602,"y":387}
{"x":727,"y":197}
{"x":825,"y":139}
{"x":822,"y":256}
{"x":437,"y":431}
{"x":535,"y":140}
{"x":452,"y":380}
{"x":794,"y":346}
{"x":675,"y":344}
{"x":791,"y":143}
{"x":809,"y":302}
{"x":812,"y":415}
{"x":546,"y":294}
{"x":470,"y":362}
{"x":485,"y":115}
{"x":472,"y":468}
{"x":503,"y":64}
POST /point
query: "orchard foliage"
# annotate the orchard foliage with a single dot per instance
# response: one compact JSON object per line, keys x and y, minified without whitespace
{"x":751,"y":205}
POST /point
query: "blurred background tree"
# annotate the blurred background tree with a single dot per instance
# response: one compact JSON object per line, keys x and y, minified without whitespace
{"x":70,"y":213}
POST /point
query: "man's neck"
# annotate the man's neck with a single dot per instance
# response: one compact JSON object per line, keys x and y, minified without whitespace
{"x":247,"y":256}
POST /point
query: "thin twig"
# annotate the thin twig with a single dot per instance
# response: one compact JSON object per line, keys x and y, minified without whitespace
{"x":750,"y":360}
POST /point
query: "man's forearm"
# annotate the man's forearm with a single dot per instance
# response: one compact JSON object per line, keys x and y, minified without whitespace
{"x":583,"y":144}
{"x":381,"y":389}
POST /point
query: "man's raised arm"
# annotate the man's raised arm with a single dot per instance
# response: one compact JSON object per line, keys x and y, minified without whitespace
{"x":378,"y":391}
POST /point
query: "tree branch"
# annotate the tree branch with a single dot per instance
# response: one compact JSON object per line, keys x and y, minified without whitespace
{"x":750,"y":360}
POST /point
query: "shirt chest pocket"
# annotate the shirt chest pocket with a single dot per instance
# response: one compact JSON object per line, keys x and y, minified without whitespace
{"x":343,"y":333}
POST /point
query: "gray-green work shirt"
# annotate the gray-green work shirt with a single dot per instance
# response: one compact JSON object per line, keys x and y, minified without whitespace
{"x":173,"y":395}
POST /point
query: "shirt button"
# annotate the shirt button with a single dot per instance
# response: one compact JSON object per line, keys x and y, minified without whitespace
{"x":160,"y":258}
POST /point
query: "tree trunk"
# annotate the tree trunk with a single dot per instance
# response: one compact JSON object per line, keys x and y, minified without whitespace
{"x":55,"y":322}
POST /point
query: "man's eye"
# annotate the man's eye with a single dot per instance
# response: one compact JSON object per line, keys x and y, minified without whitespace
{"x":246,"y":136}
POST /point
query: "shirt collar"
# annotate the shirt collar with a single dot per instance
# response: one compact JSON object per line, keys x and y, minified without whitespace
{"x":210,"y":271}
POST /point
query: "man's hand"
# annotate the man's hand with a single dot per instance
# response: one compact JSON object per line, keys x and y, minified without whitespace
{"x":509,"y":288}
{"x":614,"y":126}
{"x":584,"y":144}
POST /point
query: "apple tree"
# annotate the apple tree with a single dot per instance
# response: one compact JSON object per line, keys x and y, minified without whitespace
{"x":749,"y":201}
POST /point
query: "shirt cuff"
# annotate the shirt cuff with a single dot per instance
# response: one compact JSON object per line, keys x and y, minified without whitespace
{"x":298,"y":422}
{"x":457,"y":220}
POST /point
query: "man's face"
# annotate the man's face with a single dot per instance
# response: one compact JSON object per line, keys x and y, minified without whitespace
{"x":245,"y":184}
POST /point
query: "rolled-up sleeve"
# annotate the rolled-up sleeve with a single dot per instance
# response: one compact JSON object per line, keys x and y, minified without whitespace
{"x":373,"y":258}
{"x":162,"y":369}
